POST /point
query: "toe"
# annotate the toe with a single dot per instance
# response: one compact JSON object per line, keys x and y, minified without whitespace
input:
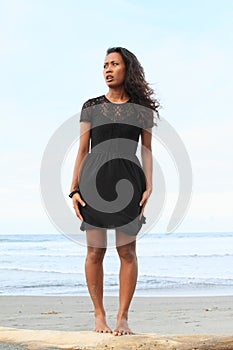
{"x":107,"y":330}
{"x":119,"y":332}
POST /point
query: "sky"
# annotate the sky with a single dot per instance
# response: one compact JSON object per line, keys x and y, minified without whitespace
{"x":52,"y":55}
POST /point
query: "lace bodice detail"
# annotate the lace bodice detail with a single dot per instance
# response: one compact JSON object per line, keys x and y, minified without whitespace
{"x":129,"y":111}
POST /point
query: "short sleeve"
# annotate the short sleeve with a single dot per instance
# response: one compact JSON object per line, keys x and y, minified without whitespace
{"x":85,"y":115}
{"x":148,"y":119}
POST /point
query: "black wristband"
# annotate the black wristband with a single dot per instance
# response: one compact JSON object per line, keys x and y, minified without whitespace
{"x":73,"y":192}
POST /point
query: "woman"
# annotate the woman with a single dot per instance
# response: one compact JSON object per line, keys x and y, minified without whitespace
{"x":109,"y":122}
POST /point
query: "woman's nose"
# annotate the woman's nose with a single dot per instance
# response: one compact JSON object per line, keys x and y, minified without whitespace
{"x":109,"y":69}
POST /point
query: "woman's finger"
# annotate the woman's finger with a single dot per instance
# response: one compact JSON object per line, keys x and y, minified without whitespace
{"x":78,"y":214}
{"x":76,"y":200}
{"x":75,"y":206}
{"x":142,"y":210}
{"x":142,"y":200}
{"x":145,"y":196}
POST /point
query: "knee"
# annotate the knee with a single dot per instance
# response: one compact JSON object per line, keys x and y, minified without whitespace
{"x":127,"y":254}
{"x":95,"y":255}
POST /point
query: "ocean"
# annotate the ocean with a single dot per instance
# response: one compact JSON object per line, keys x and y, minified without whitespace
{"x":176,"y":264}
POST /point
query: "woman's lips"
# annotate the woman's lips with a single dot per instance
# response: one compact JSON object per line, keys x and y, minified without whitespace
{"x":109,"y":78}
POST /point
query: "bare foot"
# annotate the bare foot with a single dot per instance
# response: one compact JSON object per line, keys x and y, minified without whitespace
{"x":122,"y":328}
{"x":101,"y":325}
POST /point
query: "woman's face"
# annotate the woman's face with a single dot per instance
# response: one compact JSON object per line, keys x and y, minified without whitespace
{"x":114,"y":70}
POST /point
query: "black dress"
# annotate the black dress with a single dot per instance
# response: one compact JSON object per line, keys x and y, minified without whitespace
{"x":111,"y":180}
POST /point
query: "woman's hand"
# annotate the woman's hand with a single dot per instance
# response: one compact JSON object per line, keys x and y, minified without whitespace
{"x":77,"y":199}
{"x":146,"y":194}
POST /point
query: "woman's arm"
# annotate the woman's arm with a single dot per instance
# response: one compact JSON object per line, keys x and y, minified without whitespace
{"x":83,"y":150}
{"x":147,"y":165}
{"x":147,"y":160}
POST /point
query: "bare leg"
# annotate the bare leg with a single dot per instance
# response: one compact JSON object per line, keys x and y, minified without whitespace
{"x":128,"y":279}
{"x":96,"y":248}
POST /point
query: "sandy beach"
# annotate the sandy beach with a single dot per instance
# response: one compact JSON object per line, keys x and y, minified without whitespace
{"x":66,"y":322}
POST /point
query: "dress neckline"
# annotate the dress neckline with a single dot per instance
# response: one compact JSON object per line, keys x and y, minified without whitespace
{"x":116,"y":103}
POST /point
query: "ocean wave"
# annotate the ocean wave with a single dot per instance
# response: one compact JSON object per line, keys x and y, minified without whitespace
{"x":194,"y":255}
{"x":35,"y":254}
{"x":82,"y":255}
{"x":53,"y":265}
{"x":112,"y":288}
{"x":26,"y":269}
{"x":166,"y":281}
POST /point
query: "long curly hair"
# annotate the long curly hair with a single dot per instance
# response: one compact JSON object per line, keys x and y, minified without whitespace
{"x":135,"y":83}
